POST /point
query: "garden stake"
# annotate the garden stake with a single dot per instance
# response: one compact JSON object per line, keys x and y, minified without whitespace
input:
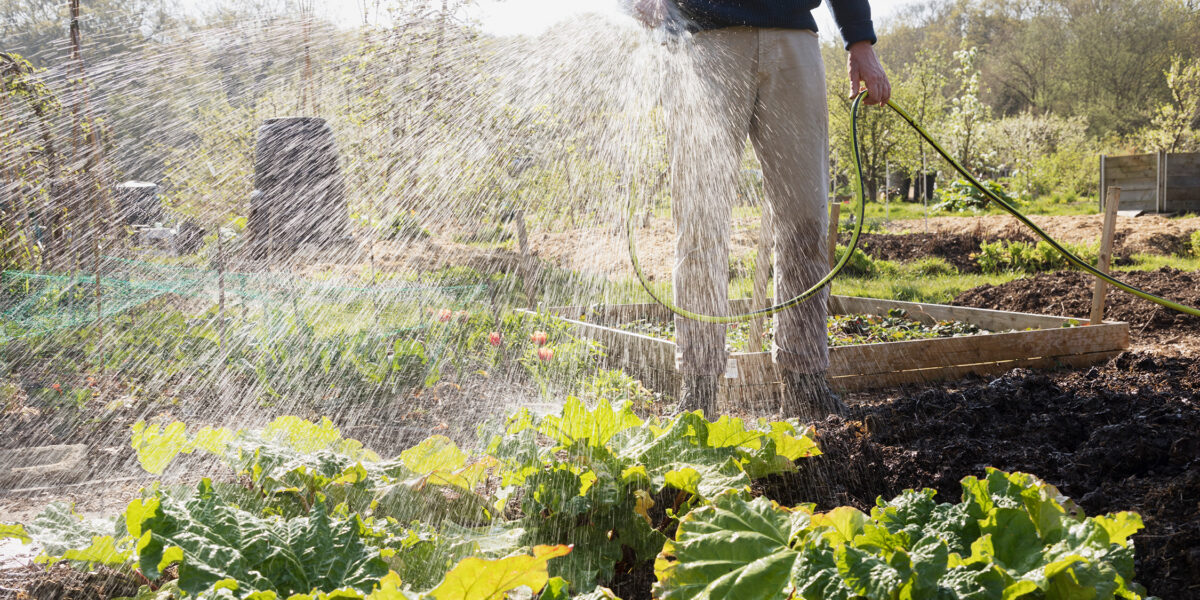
{"x":1106,"y":247}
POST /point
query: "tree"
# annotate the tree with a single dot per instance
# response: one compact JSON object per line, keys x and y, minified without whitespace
{"x":1172,"y":127}
{"x":967,"y":112}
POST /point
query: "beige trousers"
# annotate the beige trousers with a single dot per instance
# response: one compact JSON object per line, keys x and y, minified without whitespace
{"x":768,"y":84}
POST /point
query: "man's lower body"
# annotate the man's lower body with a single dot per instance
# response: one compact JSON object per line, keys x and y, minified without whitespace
{"x":768,"y":84}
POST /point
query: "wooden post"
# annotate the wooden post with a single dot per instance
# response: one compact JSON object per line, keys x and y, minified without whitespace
{"x":835,"y":213}
{"x":220,"y":289}
{"x":1161,"y":192}
{"x":887,"y":180}
{"x":1100,"y":190}
{"x":1105,"y":258}
{"x":526,"y":268}
{"x":762,"y":277}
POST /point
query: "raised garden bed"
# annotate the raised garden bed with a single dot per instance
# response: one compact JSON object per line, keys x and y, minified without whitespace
{"x":1011,"y":340}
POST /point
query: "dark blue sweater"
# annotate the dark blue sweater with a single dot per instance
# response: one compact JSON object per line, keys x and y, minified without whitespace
{"x":853,"y":16}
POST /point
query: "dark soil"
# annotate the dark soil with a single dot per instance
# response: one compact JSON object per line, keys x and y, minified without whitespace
{"x":1124,"y":436}
{"x":61,"y":582}
{"x":1069,"y":293}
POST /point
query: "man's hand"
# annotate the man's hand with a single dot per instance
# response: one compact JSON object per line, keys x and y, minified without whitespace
{"x":864,"y":68}
{"x":650,"y":13}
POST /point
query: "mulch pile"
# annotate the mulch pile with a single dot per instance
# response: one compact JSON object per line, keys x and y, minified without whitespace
{"x":1069,"y":293}
{"x":1123,"y":436}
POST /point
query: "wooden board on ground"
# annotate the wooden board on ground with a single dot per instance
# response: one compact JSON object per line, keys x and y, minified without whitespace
{"x":1021,"y":340}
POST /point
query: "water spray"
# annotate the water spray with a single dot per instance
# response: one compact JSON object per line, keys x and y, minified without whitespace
{"x":858,"y":227}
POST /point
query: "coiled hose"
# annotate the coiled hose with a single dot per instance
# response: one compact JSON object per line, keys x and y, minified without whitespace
{"x":858,"y":226}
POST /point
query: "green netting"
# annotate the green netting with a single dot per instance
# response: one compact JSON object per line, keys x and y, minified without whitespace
{"x":32,"y":303}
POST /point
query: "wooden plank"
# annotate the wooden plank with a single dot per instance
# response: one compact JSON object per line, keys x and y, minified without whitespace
{"x":1131,"y":160}
{"x":873,"y":365}
{"x":1147,"y":173}
{"x":1160,"y":190}
{"x":1135,"y":203}
{"x":1183,"y":162}
{"x":612,"y":313}
{"x":921,"y":354}
{"x":868,"y":359}
{"x":1183,"y":181}
{"x":1133,"y":184}
{"x":992,"y":320}
{"x":854,"y":383}
{"x":1104,"y":261}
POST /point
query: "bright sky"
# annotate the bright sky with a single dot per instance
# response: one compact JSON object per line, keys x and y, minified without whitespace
{"x":512,"y":17}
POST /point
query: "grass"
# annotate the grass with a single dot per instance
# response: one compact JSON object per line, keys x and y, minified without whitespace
{"x":910,"y":282}
{"x":1152,"y":262}
{"x":1045,"y":205}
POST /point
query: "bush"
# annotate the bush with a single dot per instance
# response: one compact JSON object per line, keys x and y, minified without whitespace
{"x":931,"y":266}
{"x":1196,"y":243}
{"x":1022,"y":257}
{"x":404,"y":227}
{"x":1045,"y":154}
{"x":859,"y":265}
{"x":961,"y":196}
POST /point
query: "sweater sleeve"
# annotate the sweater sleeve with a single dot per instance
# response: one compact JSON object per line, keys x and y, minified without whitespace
{"x":854,"y":20}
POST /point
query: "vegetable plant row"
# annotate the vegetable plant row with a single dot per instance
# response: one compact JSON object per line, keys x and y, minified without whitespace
{"x":560,"y":507}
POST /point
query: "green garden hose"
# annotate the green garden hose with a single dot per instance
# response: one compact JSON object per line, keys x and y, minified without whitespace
{"x":858,"y":226}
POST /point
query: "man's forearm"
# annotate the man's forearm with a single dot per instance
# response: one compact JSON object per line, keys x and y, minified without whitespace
{"x":853,"y":19}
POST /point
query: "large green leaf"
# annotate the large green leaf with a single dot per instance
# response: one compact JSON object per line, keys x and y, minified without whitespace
{"x":480,"y":579}
{"x":218,"y":542}
{"x":597,"y":426}
{"x":1011,"y":538}
{"x":60,"y":531}
{"x":14,"y":531}
{"x":734,"y":549}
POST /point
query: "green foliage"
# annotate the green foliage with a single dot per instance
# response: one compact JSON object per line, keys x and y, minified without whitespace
{"x":961,"y":196}
{"x":1043,"y":154}
{"x":1022,"y":257}
{"x":1171,"y":128}
{"x":318,"y":512}
{"x":230,"y":548}
{"x":64,"y":534}
{"x":930,"y":266}
{"x":1012,"y":536}
{"x":607,"y":468}
{"x":568,"y":497}
{"x":895,"y":326}
{"x":405,"y":227}
{"x":318,"y":345}
{"x":860,"y":263}
{"x":1195,"y":243}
